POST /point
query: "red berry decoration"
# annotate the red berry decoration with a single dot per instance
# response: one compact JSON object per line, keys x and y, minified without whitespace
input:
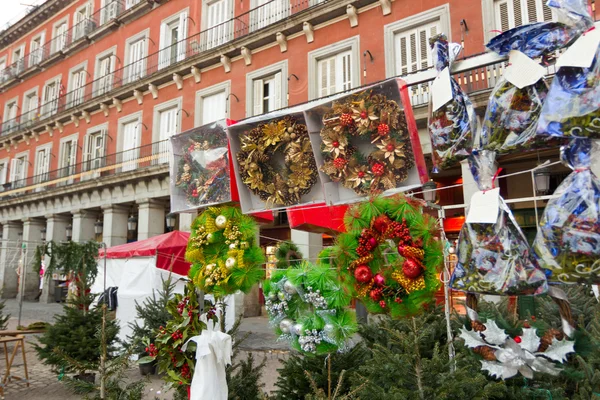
{"x":377,"y":168}
{"x":363,"y":273}
{"x":335,"y":144}
{"x":361,"y":174}
{"x":376,"y":294}
{"x":372,"y":242}
{"x":383,"y":129}
{"x":518,"y":339}
{"x":346,"y":120}
{"x":381,"y":224}
{"x":363,"y":115}
{"x":411,"y":268}
{"x":382,"y":304}
{"x":340,"y":163}
{"x":379,"y":280}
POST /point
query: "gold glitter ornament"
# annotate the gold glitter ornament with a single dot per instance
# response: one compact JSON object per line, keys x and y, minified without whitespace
{"x":230,"y":263}
{"x":221,"y":221}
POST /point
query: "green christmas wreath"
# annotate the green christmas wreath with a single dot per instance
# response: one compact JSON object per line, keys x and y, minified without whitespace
{"x":223,"y":251}
{"x":390,"y":256}
{"x":307,"y":306}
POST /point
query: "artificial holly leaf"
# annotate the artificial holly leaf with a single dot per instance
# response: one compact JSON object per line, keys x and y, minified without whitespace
{"x":530,"y":340}
{"x":544,"y":366}
{"x":493,"y":334}
{"x":497,"y":370}
{"x":558,"y":350}
{"x":472,"y":338}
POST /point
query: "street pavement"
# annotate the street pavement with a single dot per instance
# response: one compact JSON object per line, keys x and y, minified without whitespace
{"x":44,"y":384}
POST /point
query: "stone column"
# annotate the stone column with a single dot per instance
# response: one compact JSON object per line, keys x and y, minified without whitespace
{"x":114,"y":228}
{"x":9,"y":258}
{"x":185,"y":221}
{"x":151,"y":218}
{"x":83,"y":225}
{"x":56,"y":230}
{"x":310,"y":244}
{"x":30,"y":277}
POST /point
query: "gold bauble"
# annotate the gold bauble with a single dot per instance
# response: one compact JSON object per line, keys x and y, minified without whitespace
{"x":210,"y":238}
{"x":230,"y":263}
{"x":210,"y":267}
{"x":221,"y":221}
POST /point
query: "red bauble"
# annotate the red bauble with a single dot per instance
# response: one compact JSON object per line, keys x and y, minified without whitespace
{"x":335,"y":144}
{"x":372,"y":242}
{"x":363,"y":273}
{"x":383,"y":129}
{"x":375,"y":294}
{"x":518,"y":339}
{"x":382,"y":223}
{"x":379,"y":280}
{"x":364,"y":115}
{"x":411,"y":268}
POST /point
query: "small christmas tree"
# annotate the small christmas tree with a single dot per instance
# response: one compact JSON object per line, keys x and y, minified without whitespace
{"x":153,"y":314}
{"x":3,"y":317}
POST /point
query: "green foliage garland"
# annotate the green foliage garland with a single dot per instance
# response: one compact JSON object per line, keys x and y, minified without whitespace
{"x":223,"y":251}
{"x":69,"y":257}
{"x":389,"y":256}
{"x":307,"y":307}
{"x":288,"y":255}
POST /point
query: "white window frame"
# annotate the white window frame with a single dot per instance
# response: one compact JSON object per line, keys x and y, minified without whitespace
{"x":129,"y":4}
{"x":131,"y":118}
{"x":22,"y":179}
{"x":351,"y":44}
{"x":79,"y":32}
{"x":441,"y":14}
{"x":55,"y":26}
{"x":268,"y":71}
{"x":45,"y":147}
{"x":86,"y":156}
{"x":165,"y":57}
{"x":267,"y":14}
{"x":210,"y":91}
{"x":25,"y":104}
{"x":61,"y":156}
{"x":38,"y":56}
{"x":227,"y":30}
{"x":4,"y":177}
{"x":43,"y":106}
{"x":5,"y":115}
{"x":162,"y":148}
{"x":490,"y":18}
{"x":70,"y":85}
{"x":20,"y":67}
{"x":108,"y":13}
{"x":111,"y":52}
{"x":131,"y":74}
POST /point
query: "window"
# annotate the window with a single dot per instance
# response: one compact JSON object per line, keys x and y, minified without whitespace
{"x":267,"y":12}
{"x":10,"y":117}
{"x":136,"y":60}
{"x":36,"y":49}
{"x":105,"y":67}
{"x":211,"y":104}
{"x":266,"y":89}
{"x":173,"y":33}
{"x":18,"y":171}
{"x":30,"y":106}
{"x":3,"y":172}
{"x":76,"y":86}
{"x":50,"y":98}
{"x":513,"y":13}
{"x":82,"y":22}
{"x":18,"y":60}
{"x":109,"y":10}
{"x":68,"y":157}
{"x":131,"y":140}
{"x":411,"y":48}
{"x":131,"y":3}
{"x":93,"y":150}
{"x":42,"y":164}
{"x":217,"y":30}
{"x":59,"y":38}
{"x":334,"y":69}
{"x":168,"y":125}
{"x":4,"y":75}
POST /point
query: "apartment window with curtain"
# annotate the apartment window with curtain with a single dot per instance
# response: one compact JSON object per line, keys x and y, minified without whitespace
{"x":135,"y":60}
{"x":103,"y":73}
{"x":94,"y":150}
{"x":30,"y":106}
{"x":76,"y":91}
{"x":42,"y":164}
{"x":334,"y":68}
{"x":36,"y":49}
{"x":217,"y":30}
{"x":18,"y":170}
{"x":68,"y":157}
{"x":513,"y":13}
{"x":59,"y":37}
{"x":173,"y":34}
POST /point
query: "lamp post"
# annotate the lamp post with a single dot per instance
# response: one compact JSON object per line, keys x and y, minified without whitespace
{"x":132,"y":223}
{"x":43,"y":234}
{"x":541,"y":177}
{"x":69,"y":232}
{"x":98,"y":227}
{"x":429,"y":191}
{"x":171,"y":220}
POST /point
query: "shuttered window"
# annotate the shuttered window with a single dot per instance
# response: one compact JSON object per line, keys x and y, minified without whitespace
{"x":18,"y":171}
{"x":35,"y":50}
{"x":334,"y":74}
{"x":267,"y":12}
{"x":30,"y":106}
{"x":50,"y":99}
{"x":131,"y":3}
{"x":42,"y":165}
{"x":104,"y":75}
{"x":213,"y":107}
{"x":60,"y":37}
{"x":77,"y":89}
{"x":109,"y":11}
{"x":82,"y":22}
{"x":412,"y":50}
{"x":136,"y":61}
{"x":3,"y":174}
{"x":93,"y":151}
{"x":218,"y":30}
{"x":173,"y":35}
{"x":68,"y":157}
{"x":514,"y":13}
{"x":266,"y":94}
{"x":130,"y":145}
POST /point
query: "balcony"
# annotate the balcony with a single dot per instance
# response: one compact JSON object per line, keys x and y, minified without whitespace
{"x":129,"y":161}
{"x":75,"y":38}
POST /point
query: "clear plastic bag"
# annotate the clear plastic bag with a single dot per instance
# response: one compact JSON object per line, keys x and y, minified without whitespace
{"x":568,"y":240}
{"x":572,"y":107}
{"x":495,"y":258}
{"x":452,"y":126}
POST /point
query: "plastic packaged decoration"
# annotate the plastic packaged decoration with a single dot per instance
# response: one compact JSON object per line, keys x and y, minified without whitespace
{"x":200,"y":168}
{"x":572,"y":107}
{"x":543,"y":38}
{"x":568,"y":241}
{"x":452,"y":126}
{"x":495,"y":258}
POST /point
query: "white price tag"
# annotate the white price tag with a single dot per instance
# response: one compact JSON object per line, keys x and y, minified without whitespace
{"x":484,"y":207}
{"x":441,"y":89}
{"x":581,"y":53}
{"x":523,"y":71}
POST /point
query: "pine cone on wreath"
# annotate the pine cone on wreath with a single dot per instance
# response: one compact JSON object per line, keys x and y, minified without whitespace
{"x":548,"y":337}
{"x":478,"y":326}
{"x":486,"y":352}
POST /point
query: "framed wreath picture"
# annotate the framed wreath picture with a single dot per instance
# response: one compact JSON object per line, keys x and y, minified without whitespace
{"x":200,"y":168}
{"x":366,"y":143}
{"x":274,"y":162}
